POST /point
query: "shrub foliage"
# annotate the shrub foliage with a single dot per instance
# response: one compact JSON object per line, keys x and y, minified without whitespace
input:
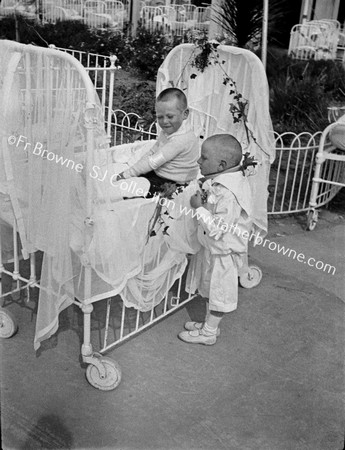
{"x":300,"y":91}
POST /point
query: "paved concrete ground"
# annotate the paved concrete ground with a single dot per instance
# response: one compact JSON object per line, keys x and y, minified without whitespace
{"x":273,"y":381}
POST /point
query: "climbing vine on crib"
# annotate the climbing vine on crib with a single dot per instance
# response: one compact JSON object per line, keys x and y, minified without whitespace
{"x":206,"y":54}
{"x":159,"y":219}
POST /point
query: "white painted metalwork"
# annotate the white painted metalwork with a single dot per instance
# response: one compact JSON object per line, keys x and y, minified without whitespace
{"x":110,"y":14}
{"x":101,"y":70}
{"x":96,"y":16}
{"x":314,"y":40}
{"x":175,"y":19}
{"x":122,"y":323}
{"x":291,"y":173}
{"x":17,"y":7}
{"x":291,"y":176}
{"x":329,"y":174}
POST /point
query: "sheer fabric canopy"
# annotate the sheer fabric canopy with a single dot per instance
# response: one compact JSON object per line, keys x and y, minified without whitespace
{"x":209,"y":101}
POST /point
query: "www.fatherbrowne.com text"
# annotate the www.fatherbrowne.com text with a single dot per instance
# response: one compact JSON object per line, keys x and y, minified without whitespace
{"x":218,"y":222}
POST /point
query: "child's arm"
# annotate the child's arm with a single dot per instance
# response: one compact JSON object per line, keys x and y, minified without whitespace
{"x":223,"y":219}
{"x":154,"y":160}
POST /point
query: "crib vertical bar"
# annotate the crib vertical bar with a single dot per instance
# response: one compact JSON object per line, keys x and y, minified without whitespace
{"x":179,"y":290}
{"x":152,"y":309}
{"x":113,"y":116}
{"x":137,"y":320}
{"x":95,"y":81}
{"x":285,"y":181}
{"x":310,"y":174}
{"x":106,"y":331}
{"x":337,"y":171}
{"x":301,"y":178}
{"x":28,"y":119}
{"x":122,"y":320}
{"x":113,"y":58}
{"x":294,"y":179}
{"x":15,"y":254}
{"x":32,"y":268}
{"x":104,"y":87}
{"x":277,"y":180}
{"x":166,"y":295}
{"x":49,"y":88}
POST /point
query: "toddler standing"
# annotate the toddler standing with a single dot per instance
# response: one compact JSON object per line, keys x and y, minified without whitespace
{"x":224,"y":222}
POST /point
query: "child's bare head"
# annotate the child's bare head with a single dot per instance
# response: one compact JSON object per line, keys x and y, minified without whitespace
{"x":174,"y":94}
{"x":171,"y":109}
{"x":218,"y":153}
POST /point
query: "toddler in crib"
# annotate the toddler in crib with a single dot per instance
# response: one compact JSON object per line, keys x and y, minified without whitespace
{"x":174,"y":156}
{"x":224,"y":222}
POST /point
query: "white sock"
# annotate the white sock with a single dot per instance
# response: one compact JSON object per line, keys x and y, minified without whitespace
{"x":208,"y":330}
{"x":207,"y":312}
{"x":213,"y":320}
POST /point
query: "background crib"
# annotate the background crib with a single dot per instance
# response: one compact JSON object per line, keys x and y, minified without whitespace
{"x":329,"y":170}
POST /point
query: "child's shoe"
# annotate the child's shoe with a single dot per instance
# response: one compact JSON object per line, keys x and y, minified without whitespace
{"x":191,"y":326}
{"x":198,"y":336}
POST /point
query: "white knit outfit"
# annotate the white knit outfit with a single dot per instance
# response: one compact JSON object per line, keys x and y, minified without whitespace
{"x":173,"y":157}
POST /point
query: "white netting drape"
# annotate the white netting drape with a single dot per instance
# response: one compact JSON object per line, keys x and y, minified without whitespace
{"x":56,"y":181}
{"x":46,"y":136}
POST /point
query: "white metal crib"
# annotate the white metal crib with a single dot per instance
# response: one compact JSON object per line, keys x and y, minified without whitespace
{"x":53,"y":145}
{"x":329,"y":170}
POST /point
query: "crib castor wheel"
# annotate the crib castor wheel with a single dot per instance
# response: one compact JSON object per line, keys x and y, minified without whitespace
{"x":110,"y":381}
{"x":251,"y":278}
{"x":8,"y":324}
{"x":311,"y":226}
{"x":312,"y":219}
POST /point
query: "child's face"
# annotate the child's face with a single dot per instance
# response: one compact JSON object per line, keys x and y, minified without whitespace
{"x":209,"y":161}
{"x":170,"y":116}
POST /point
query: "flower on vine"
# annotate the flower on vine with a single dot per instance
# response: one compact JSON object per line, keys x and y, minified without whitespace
{"x":169,"y":190}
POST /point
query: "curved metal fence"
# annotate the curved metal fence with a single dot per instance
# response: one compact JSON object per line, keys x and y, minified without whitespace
{"x":292,"y":172}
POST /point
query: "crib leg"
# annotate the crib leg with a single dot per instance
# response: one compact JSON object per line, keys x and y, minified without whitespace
{"x":312,"y":219}
{"x":86,"y":349}
{"x":32,"y":280}
{"x":102,"y":373}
